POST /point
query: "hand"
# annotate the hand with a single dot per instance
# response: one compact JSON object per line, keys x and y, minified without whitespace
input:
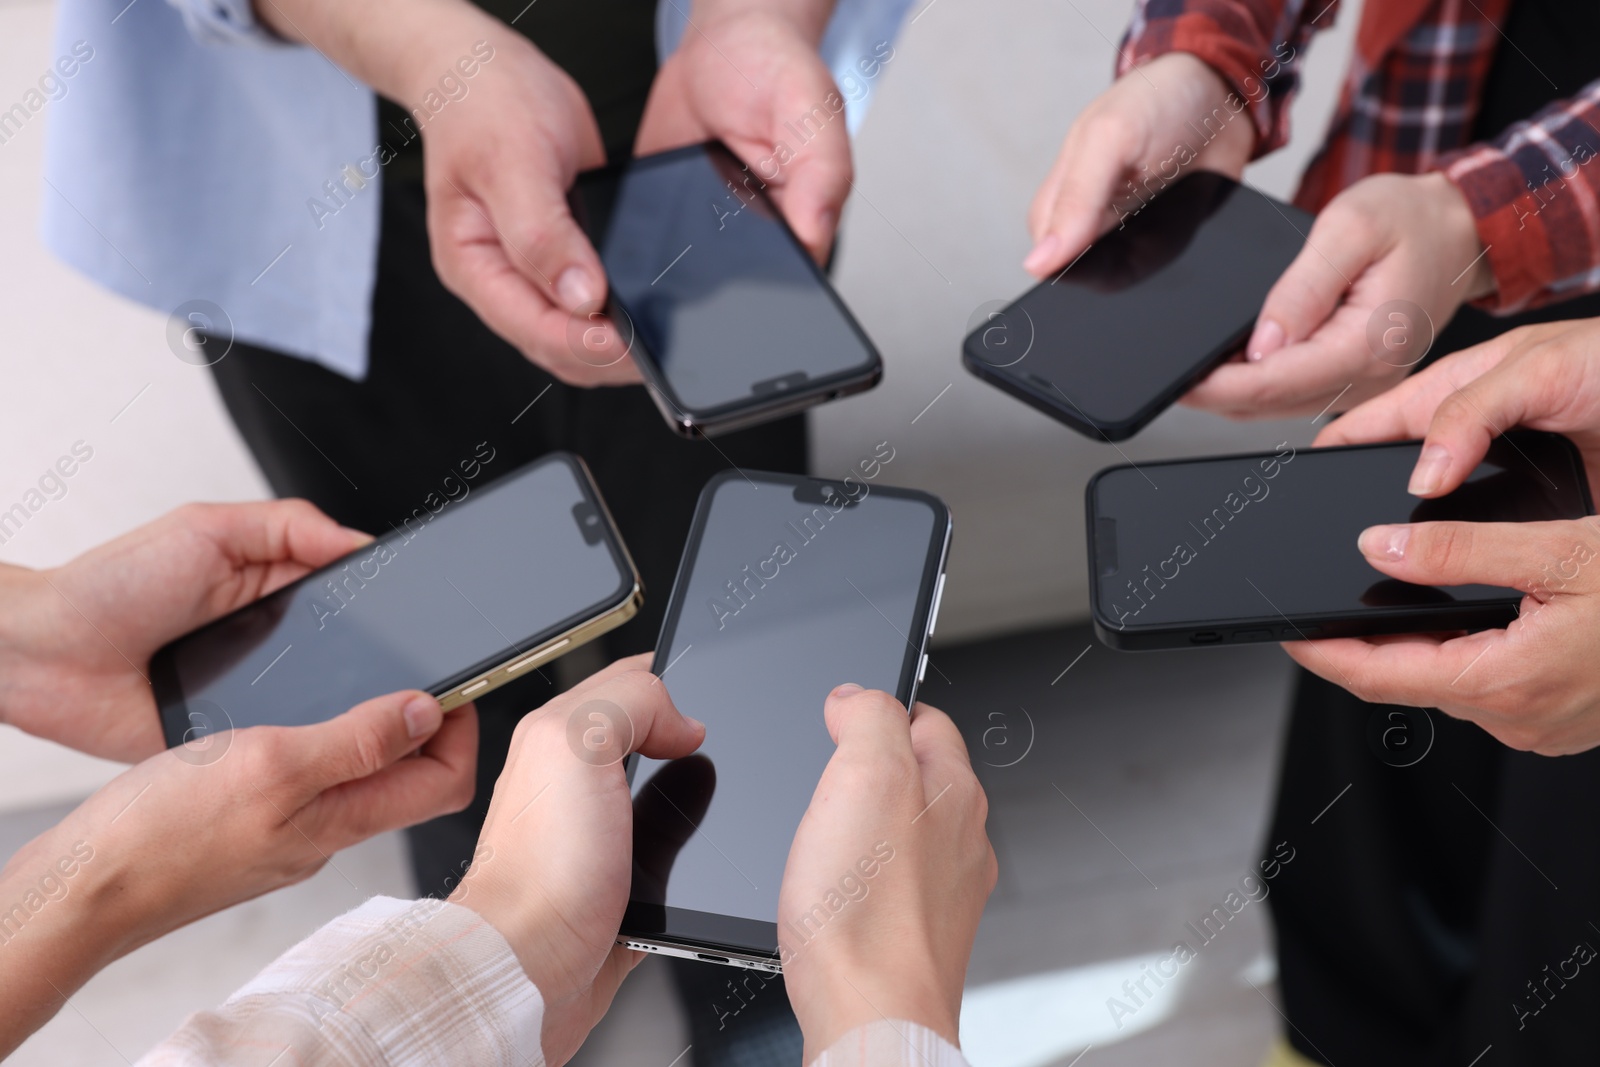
{"x":887,"y":876}
{"x":1140,"y":122}
{"x":1387,"y":237}
{"x":1533,"y":685}
{"x":560,"y":836}
{"x":76,"y":641}
{"x":497,"y":167}
{"x":177,"y":837}
{"x":1544,"y":377}
{"x":748,"y":77}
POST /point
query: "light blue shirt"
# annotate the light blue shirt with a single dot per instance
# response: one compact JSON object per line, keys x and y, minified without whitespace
{"x":183,"y":158}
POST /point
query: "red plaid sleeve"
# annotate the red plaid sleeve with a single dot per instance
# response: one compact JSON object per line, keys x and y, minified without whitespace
{"x":1255,"y":45}
{"x":1535,"y":192}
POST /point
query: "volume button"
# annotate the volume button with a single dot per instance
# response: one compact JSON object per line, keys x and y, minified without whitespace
{"x":922,"y":669}
{"x":938,"y":598}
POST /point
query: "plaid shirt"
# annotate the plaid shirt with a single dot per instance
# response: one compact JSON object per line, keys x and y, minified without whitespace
{"x":1408,"y":106}
{"x":403,"y":983}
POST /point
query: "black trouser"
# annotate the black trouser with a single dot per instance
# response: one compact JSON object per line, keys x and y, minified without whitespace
{"x":438,"y":383}
{"x":1442,"y":906}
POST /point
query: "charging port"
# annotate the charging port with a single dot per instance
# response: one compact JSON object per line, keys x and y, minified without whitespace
{"x":709,"y":958}
{"x":1205,"y":637}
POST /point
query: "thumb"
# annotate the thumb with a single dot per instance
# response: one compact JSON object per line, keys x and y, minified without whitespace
{"x":1308,"y":292}
{"x":1531,"y":557}
{"x":542,"y":240}
{"x":367,"y":738}
{"x":814,"y":189}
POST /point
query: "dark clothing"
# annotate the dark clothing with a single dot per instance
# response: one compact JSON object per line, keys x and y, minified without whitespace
{"x":439,"y":382}
{"x":1421,"y":923}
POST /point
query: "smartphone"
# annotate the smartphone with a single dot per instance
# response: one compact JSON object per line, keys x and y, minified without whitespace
{"x":1150,"y":309}
{"x":459,"y":599}
{"x":728,"y":318}
{"x":789,"y":587}
{"x":1234,"y":549}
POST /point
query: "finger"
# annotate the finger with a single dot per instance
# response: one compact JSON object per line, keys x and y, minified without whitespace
{"x":811,"y":190}
{"x":492,"y":273}
{"x":638,"y":662}
{"x":1335,"y":253}
{"x":291,"y":535}
{"x":357,"y":744}
{"x":440,"y":779}
{"x":868,"y":723}
{"x":1526,"y":556}
{"x":1469,"y":417}
{"x":660,"y":730}
{"x":1419,"y":674}
{"x":1300,"y":379}
{"x":1074,"y":206}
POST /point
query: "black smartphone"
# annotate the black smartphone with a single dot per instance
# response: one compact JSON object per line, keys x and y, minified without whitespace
{"x":1150,"y":309}
{"x":1233,"y":549}
{"x":728,"y":318}
{"x":476,"y":588}
{"x":789,"y":587}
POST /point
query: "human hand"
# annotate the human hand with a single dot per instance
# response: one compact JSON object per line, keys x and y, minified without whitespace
{"x":746,"y":76}
{"x":187,"y":833}
{"x":1135,"y":124}
{"x":1388,"y":237}
{"x":1533,"y":685}
{"x":76,"y":641}
{"x":560,"y":838}
{"x":497,"y":168}
{"x":1543,"y":377}
{"x":887,"y":876}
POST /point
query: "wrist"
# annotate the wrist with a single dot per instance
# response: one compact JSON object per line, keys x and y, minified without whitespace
{"x":1478,"y":279}
{"x":842,"y":998}
{"x":807,"y":18}
{"x":29,"y":601}
{"x":53,"y":931}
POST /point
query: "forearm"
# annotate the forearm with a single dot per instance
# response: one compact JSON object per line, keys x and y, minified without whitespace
{"x":398,"y":47}
{"x":54,"y":936}
{"x":27,"y":617}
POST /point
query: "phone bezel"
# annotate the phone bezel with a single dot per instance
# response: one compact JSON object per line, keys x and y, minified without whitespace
{"x":743,"y":942}
{"x":1205,"y":633}
{"x":1059,"y":406}
{"x":688,"y":421}
{"x":479,"y":678}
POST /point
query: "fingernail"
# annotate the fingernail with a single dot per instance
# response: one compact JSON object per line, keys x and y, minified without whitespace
{"x":1268,"y":339}
{"x":422,"y":715}
{"x":1043,"y":255}
{"x":846,"y":690}
{"x":360,"y":537}
{"x":695,"y":724}
{"x":1429,"y":471}
{"x":574,"y":289}
{"x":1385,"y":542}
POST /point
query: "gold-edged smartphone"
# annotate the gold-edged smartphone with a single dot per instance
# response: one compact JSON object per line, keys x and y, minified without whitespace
{"x":457,"y":601}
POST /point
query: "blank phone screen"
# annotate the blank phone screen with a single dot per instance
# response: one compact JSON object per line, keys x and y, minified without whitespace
{"x":783,"y":599}
{"x":1149,"y":304}
{"x":446,"y":595}
{"x":719,"y":294}
{"x":1274,"y":536}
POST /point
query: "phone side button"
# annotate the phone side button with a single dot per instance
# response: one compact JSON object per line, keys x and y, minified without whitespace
{"x":922,"y":669}
{"x":475,"y":686}
{"x":938,"y":598}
